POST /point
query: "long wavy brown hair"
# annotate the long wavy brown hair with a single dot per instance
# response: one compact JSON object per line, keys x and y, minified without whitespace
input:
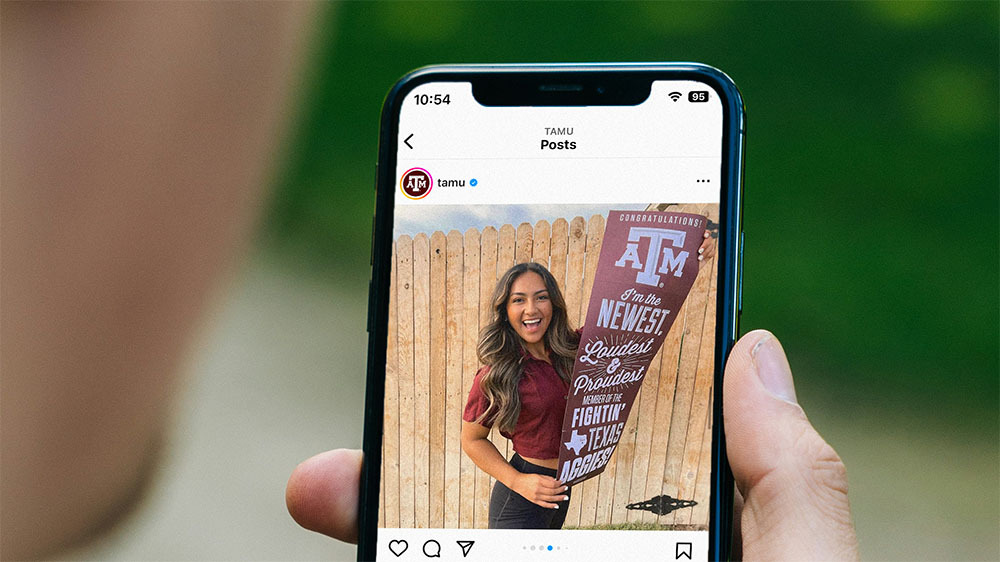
{"x":503,"y":351}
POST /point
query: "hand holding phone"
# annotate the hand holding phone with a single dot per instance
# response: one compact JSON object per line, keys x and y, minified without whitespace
{"x":805,"y":496}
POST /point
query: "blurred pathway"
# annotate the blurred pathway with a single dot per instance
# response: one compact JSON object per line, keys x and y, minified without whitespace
{"x":276,"y":376}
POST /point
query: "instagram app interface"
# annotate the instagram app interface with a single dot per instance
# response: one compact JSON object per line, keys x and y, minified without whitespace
{"x":550,"y":358}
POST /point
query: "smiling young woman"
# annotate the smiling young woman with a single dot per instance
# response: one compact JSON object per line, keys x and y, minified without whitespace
{"x":527,"y":350}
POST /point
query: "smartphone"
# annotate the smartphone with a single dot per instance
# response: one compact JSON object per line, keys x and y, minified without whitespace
{"x":556,"y":278}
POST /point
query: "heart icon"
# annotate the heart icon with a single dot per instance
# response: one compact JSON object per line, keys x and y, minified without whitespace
{"x":398,"y":547}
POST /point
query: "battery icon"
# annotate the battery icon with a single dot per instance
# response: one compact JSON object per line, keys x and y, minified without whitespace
{"x":698,"y":96}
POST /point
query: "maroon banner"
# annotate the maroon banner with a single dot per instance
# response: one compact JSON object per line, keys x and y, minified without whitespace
{"x":648,"y":263}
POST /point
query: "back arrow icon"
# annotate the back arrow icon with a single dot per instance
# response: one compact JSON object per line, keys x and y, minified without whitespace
{"x":407,"y":139}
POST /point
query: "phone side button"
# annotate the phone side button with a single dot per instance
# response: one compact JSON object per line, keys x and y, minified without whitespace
{"x":739,"y":291}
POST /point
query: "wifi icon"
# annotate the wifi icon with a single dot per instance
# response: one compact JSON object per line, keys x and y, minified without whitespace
{"x":675,"y":95}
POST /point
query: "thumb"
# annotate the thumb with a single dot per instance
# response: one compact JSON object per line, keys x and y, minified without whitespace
{"x":793,"y":483}
{"x":322,"y":494}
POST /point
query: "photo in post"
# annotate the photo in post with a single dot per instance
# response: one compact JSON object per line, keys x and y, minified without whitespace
{"x":446,"y":263}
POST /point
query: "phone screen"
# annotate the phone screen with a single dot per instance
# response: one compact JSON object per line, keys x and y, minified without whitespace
{"x":607,"y":346}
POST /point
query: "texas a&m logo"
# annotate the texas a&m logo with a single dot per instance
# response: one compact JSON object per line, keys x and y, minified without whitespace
{"x":659,"y":258}
{"x":416,"y":183}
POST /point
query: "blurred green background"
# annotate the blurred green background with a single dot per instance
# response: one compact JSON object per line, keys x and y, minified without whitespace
{"x":871,"y":205}
{"x":872,"y":210}
{"x":871,"y":168}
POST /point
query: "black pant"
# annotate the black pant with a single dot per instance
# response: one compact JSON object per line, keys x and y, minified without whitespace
{"x":509,"y":510}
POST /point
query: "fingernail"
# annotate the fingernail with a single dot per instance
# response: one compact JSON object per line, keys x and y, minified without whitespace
{"x":565,"y":498}
{"x":565,"y":488}
{"x":773,"y":370}
{"x":555,"y":506}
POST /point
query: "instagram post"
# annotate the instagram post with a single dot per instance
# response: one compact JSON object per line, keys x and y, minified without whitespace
{"x":617,"y":410}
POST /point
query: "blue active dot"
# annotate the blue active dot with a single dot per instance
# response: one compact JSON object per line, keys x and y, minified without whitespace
{"x":550,"y":547}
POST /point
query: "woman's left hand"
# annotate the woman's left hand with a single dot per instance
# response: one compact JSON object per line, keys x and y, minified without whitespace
{"x":707,"y":249}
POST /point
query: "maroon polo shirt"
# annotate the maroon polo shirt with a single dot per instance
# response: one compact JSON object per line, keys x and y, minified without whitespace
{"x":543,"y":403}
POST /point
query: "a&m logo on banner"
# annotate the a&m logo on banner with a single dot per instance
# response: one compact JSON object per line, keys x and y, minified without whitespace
{"x":648,"y":263}
{"x":656,"y":262}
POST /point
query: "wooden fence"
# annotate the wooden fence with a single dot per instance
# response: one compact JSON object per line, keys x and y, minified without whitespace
{"x":441,"y":286}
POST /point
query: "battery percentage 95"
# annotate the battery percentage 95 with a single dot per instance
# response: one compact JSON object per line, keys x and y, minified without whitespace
{"x":698,"y":96}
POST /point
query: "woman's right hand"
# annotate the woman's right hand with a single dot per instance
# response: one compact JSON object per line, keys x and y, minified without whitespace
{"x":540,"y":489}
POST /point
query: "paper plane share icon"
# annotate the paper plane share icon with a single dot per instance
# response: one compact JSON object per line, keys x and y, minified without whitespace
{"x":466,"y":546}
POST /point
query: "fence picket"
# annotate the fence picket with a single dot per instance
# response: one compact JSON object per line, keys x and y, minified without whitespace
{"x":522,"y":251}
{"x":487,"y":259}
{"x":700,"y":512}
{"x":381,"y":490}
{"x":390,"y":419}
{"x":438,"y":374}
{"x":421,"y":381}
{"x":505,"y":259}
{"x":470,"y":282}
{"x":541,"y":238}
{"x":558,"y":250}
{"x":489,"y":241}
{"x":404,"y":327}
{"x":454,"y":388}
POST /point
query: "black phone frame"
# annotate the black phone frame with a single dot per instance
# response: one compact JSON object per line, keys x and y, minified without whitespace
{"x":559,"y":85}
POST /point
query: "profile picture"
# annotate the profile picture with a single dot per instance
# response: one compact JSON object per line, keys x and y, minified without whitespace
{"x":416,"y":183}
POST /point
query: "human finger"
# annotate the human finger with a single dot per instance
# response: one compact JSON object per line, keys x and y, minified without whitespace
{"x":543,"y":488}
{"x":552,"y":482}
{"x":541,"y":484}
{"x":538,"y":490}
{"x":322,"y":494}
{"x":548,"y":502}
{"x":707,"y":248}
{"x":551,"y":485}
{"x":793,"y":483}
{"x":552,"y":498}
